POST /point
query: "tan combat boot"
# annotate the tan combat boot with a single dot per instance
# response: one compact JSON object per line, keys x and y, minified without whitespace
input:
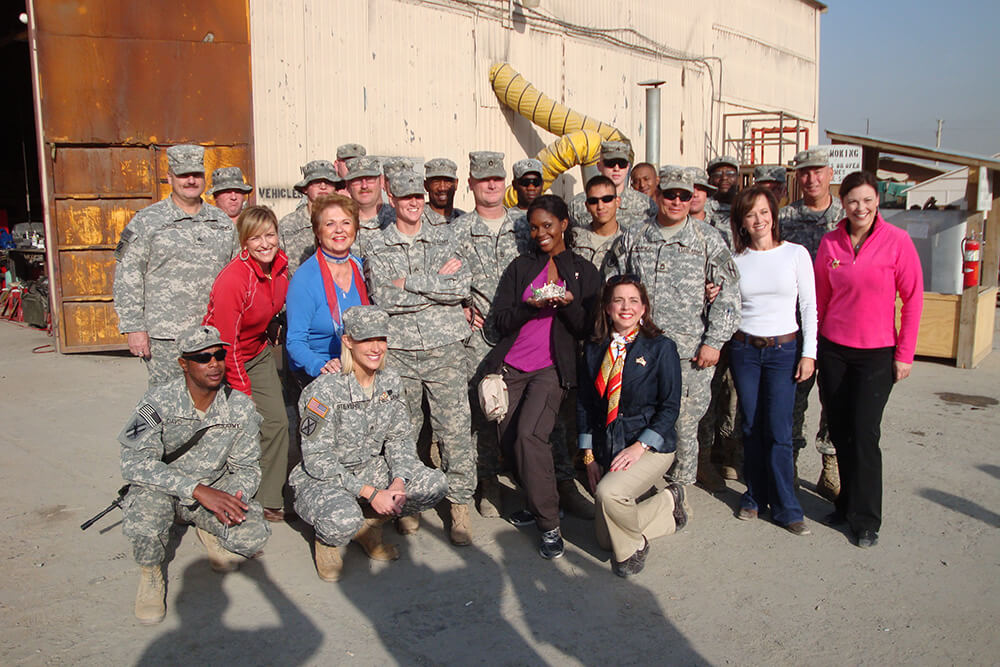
{"x":219,"y":558}
{"x":460,"y":535}
{"x":150,"y":607}
{"x":370,"y":539}
{"x":708,"y":476}
{"x":408,"y":525}
{"x":489,"y":497}
{"x":329,"y":564}
{"x":828,"y":485}
{"x":571,"y":500}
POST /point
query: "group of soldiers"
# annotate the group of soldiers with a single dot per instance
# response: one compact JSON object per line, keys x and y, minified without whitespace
{"x":434,"y":269}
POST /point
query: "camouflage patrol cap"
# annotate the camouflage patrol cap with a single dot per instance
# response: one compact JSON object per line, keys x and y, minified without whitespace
{"x":765,"y":173}
{"x":527,"y":166}
{"x":727,"y":160}
{"x":364,"y":322}
{"x":197,"y":338}
{"x":362,"y":166}
{"x":676,"y":178}
{"x":812,"y":157}
{"x":317,"y":170}
{"x":392,"y":165}
{"x":486,"y":164}
{"x":347,"y":151}
{"x":406,"y":182}
{"x":616,"y":150}
{"x":229,"y":178}
{"x":186,"y":159}
{"x":440,"y":167}
{"x":699,"y":177}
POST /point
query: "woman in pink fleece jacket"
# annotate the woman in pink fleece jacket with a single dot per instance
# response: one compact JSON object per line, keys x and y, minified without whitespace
{"x":860,"y":268}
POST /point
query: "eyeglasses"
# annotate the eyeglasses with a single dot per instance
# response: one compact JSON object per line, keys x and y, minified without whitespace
{"x":617,"y":163}
{"x":530,"y":182}
{"x":671,"y":195}
{"x":607,"y":199}
{"x":624,"y":278}
{"x":205,"y":357}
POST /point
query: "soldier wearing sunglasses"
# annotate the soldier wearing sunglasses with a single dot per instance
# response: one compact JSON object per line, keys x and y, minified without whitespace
{"x":191,"y":450}
{"x":724,"y":176}
{"x":634,"y":207}
{"x":593,"y":241}
{"x":675,"y":256}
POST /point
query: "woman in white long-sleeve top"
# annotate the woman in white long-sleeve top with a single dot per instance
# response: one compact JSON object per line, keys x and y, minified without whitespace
{"x":765,"y":356}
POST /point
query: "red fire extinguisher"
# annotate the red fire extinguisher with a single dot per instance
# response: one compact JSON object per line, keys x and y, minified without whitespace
{"x":971,"y":255}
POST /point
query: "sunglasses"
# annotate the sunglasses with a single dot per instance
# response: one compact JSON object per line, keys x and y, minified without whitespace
{"x":617,"y":163}
{"x":530,"y":182}
{"x":205,"y":357}
{"x":607,"y":199}
{"x":671,"y":195}
{"x":624,"y":278}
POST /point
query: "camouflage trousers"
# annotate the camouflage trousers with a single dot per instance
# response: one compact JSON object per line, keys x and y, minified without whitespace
{"x":162,"y":364}
{"x":336,"y":515}
{"x":823,"y":443}
{"x":484,"y":433}
{"x":441,"y":374}
{"x":148,"y":515}
{"x":696,"y":393}
{"x":722,"y":424}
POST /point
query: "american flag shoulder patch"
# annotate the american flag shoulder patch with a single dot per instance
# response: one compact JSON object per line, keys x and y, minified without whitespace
{"x":317,"y":408}
{"x":148,"y":412}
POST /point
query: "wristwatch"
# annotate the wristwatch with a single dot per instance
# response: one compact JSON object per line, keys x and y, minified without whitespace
{"x":645,"y":446}
{"x":373,"y":494}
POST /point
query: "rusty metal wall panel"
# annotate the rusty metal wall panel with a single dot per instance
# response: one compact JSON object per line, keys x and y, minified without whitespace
{"x":90,"y":326}
{"x":94,"y":222}
{"x":91,"y":171}
{"x":86,"y":273}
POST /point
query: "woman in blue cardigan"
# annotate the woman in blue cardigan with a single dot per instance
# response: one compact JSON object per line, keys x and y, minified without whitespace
{"x":629,"y":397}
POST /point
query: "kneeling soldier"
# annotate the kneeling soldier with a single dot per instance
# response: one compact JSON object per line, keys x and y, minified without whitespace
{"x":192,"y":451}
{"x":359,"y":464}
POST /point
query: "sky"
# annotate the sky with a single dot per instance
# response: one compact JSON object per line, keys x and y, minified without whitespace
{"x":901,"y":65}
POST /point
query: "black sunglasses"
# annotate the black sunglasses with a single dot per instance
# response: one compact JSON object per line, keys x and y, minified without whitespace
{"x":617,"y":162}
{"x":530,"y":182}
{"x":626,"y":278}
{"x":671,"y":195}
{"x":205,"y":357}
{"x":607,"y":199}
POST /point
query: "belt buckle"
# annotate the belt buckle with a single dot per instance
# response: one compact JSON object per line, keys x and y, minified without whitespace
{"x":759,"y":342}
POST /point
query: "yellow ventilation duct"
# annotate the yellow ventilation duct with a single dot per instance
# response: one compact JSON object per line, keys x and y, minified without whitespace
{"x":580,"y":147}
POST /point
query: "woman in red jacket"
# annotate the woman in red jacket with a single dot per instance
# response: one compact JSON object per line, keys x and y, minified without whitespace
{"x":246,"y":296}
{"x":860,"y":268}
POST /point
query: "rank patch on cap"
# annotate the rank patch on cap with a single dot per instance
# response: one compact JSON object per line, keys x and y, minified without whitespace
{"x":317,"y":408}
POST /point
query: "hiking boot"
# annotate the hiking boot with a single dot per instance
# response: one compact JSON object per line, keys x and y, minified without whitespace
{"x":633,"y":564}
{"x":459,"y":533}
{"x":708,"y":476}
{"x":329,"y":564}
{"x":828,"y":485}
{"x":408,"y":525}
{"x":489,"y":497}
{"x":682,"y":512}
{"x":571,"y":500}
{"x":150,"y":607}
{"x":221,"y":559}
{"x":370,"y":539}
{"x":552,"y":545}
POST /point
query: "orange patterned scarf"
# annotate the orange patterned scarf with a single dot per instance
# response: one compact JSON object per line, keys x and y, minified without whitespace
{"x":609,"y":380}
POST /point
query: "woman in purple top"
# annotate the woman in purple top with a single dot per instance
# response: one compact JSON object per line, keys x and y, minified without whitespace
{"x":537,"y":352}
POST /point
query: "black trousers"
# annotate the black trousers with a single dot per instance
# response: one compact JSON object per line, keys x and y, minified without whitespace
{"x":854,"y":386}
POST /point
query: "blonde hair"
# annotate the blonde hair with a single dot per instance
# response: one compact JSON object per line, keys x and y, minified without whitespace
{"x":252,"y":222}
{"x":347,"y":361}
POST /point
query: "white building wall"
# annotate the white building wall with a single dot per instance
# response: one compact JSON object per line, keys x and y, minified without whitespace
{"x":412,"y":78}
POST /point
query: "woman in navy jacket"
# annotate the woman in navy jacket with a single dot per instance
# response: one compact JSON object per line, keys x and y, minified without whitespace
{"x":629,"y":397}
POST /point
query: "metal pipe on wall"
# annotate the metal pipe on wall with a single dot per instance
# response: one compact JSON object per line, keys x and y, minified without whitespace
{"x":652,"y":120}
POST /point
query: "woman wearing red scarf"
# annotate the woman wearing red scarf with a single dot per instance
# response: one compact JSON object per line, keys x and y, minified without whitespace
{"x":629,"y":397}
{"x":324,"y":287}
{"x":246,"y":296}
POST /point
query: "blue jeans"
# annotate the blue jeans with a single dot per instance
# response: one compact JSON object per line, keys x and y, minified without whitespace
{"x":765,"y":384}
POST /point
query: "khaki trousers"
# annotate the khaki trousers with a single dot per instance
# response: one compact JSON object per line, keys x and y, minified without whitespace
{"x":621,"y":520}
{"x":270,"y":404}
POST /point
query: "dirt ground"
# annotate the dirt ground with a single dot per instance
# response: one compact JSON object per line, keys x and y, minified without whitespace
{"x":720,"y":592}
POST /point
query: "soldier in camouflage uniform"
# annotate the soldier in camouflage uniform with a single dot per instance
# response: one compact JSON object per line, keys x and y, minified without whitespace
{"x":594,"y":240}
{"x":675,"y":257}
{"x":364,"y":176}
{"x":167,"y":259}
{"x":527,"y":183}
{"x":724,"y":176}
{"x":635,"y":207}
{"x":191,"y":451}
{"x":230,"y":191}
{"x":805,"y":222}
{"x":773,"y":177}
{"x":644,"y":179}
{"x":415,"y":275}
{"x":295,"y":233}
{"x":359,"y":461}
{"x":344,"y":153}
{"x":441,"y":182}
{"x":703,"y":191}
